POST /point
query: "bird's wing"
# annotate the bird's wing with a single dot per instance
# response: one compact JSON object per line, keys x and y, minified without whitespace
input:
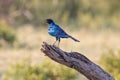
{"x":61,"y":33}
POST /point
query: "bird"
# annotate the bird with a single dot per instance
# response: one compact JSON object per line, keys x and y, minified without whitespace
{"x":57,"y":32}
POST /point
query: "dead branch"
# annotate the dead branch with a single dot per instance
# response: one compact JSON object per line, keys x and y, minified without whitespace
{"x":76,"y":61}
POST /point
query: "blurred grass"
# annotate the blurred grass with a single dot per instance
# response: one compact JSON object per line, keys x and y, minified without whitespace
{"x":46,"y":71}
{"x":6,"y":33}
{"x":110,"y":61}
{"x":91,"y":14}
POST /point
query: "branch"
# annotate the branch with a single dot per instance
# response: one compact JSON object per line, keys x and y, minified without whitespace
{"x":76,"y":61}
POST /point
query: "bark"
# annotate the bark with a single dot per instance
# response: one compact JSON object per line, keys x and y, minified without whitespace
{"x":76,"y":61}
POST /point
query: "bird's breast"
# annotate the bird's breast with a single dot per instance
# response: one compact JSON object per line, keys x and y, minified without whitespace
{"x":51,"y":31}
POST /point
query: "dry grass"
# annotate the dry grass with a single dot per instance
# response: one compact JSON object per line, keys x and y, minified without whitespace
{"x":92,"y":45}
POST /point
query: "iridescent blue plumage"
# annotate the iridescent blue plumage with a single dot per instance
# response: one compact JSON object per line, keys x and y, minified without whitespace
{"x":58,"y":32}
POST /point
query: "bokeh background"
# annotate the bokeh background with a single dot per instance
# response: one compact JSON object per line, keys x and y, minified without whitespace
{"x":96,"y":23}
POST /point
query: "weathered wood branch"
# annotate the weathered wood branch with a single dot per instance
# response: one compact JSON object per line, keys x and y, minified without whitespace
{"x":76,"y":61}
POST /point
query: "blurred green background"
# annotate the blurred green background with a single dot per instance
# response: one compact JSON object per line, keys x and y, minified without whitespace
{"x":23,"y":29}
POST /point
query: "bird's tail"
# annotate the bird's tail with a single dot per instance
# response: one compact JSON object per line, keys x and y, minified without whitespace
{"x":74,"y":39}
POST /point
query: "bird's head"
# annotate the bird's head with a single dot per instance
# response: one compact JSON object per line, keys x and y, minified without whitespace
{"x":49,"y":21}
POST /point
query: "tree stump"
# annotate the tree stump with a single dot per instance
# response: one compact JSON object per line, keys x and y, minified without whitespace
{"x":76,"y":61}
